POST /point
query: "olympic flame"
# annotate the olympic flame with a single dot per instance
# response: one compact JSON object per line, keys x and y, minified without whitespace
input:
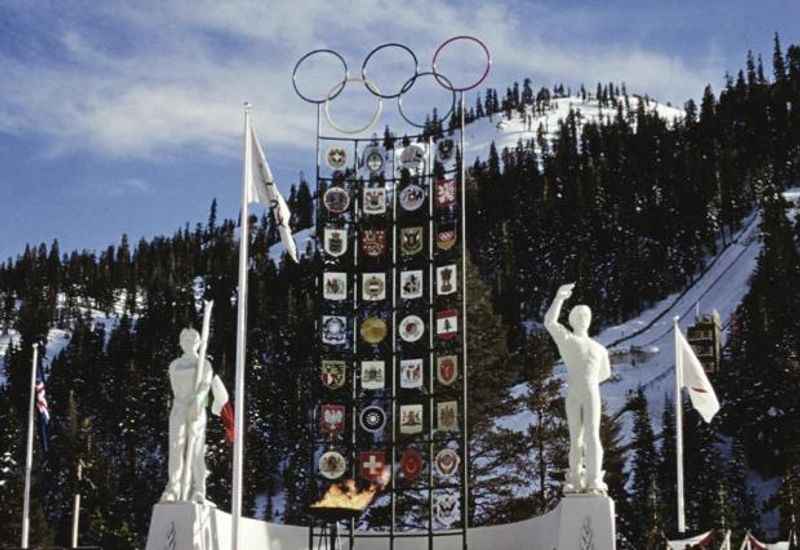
{"x":346,"y":495}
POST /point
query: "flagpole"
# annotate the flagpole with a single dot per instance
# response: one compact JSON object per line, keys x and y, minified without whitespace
{"x":26,"y":505}
{"x":679,"y":427}
{"x":241,"y":339}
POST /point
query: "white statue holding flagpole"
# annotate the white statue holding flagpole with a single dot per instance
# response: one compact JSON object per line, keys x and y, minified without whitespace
{"x":587,"y":365}
{"x":191,"y":378}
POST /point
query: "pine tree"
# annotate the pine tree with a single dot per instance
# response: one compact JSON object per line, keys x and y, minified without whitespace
{"x":644,"y":467}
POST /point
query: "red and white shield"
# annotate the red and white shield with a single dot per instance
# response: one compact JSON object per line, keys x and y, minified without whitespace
{"x":447,"y":369}
{"x":411,"y":464}
{"x":331,"y":418}
{"x":372,"y":465}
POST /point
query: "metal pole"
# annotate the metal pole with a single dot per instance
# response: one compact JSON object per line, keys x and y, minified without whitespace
{"x":26,"y":503}
{"x":679,"y":428}
{"x":318,"y":213}
{"x":241,"y":339}
{"x":76,"y":508}
{"x":431,"y":330}
{"x":465,"y":461}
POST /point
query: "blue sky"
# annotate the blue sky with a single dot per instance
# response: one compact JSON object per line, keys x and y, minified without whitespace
{"x":125,"y":117}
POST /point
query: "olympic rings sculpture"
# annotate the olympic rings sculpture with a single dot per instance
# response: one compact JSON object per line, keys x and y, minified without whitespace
{"x":373,"y":89}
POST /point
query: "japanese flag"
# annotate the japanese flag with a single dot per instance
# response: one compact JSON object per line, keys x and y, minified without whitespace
{"x":261,"y":188}
{"x":692,"y":376}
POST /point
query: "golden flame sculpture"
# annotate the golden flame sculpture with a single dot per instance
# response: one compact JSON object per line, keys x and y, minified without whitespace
{"x":347,"y":496}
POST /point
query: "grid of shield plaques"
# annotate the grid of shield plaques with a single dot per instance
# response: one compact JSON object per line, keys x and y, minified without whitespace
{"x":391,"y":387}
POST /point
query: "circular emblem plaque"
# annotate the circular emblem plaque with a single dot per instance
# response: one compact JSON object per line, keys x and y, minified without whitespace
{"x":373,"y":330}
{"x":373,"y":160}
{"x":412,"y":197}
{"x":411,"y":328}
{"x":336,"y":157}
{"x":446,"y":462}
{"x":444,"y":150}
{"x":373,"y":419}
{"x":332,"y":465}
{"x":336,"y":200}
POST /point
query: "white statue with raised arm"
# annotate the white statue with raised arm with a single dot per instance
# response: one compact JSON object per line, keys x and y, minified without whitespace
{"x":187,"y":420}
{"x":587,"y":365}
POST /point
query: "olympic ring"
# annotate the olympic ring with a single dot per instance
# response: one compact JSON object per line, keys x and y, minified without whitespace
{"x":415,"y":77}
{"x":406,"y":86}
{"x":477,"y":82}
{"x":328,"y":97}
{"x":442,"y":80}
{"x":331,"y":96}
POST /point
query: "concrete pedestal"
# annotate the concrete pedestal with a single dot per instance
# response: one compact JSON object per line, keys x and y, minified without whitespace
{"x":579,"y":522}
{"x":586,"y":522}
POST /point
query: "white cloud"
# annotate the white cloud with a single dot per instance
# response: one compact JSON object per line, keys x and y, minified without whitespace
{"x":119,"y":188}
{"x":161,"y":78}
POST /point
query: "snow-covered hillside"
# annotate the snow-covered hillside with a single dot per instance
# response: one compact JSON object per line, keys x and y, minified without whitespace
{"x":505,"y":133}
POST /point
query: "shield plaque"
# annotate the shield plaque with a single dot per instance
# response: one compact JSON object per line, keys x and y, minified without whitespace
{"x":411,"y":284}
{"x":410,"y":419}
{"x":373,"y":376}
{"x":447,"y":369}
{"x":333,"y":374}
{"x":331,"y":419}
{"x":334,"y":286}
{"x":373,"y":286}
{"x":446,"y":280}
{"x":334,"y":329}
{"x":447,"y":416}
{"x":373,"y":242}
{"x":374,"y":200}
{"x":411,"y":373}
{"x":411,"y":241}
{"x":335,"y":241}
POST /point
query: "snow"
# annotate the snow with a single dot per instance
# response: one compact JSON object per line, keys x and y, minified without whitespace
{"x":481,"y":132}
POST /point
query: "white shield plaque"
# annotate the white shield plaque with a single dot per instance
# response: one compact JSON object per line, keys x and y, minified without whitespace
{"x":334,"y":286}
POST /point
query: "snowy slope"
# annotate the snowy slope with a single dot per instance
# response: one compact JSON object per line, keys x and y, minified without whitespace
{"x":505,"y":133}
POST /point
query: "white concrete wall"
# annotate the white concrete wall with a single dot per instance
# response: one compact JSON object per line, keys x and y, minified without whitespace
{"x":186,"y":526}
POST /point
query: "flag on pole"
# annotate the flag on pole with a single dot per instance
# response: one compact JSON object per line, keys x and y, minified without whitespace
{"x":223,"y":408}
{"x":693,"y":378}
{"x":44,"y":415}
{"x":261,"y":188}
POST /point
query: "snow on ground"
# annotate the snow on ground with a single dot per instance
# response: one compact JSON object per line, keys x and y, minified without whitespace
{"x":505,"y":133}
{"x":722,"y":287}
{"x":642,"y":348}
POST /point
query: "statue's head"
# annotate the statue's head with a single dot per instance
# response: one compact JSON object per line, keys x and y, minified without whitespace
{"x":580,"y":318}
{"x":190,"y":340}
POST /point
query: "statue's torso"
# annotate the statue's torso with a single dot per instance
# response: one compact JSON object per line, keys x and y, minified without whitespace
{"x":183,"y":373}
{"x":584,"y":359}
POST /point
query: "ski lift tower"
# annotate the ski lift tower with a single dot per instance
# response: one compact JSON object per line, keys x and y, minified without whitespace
{"x":704,"y":337}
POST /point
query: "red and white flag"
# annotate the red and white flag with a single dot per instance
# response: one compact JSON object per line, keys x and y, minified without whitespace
{"x":693,"y":377}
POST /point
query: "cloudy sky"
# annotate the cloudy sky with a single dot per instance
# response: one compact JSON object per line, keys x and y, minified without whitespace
{"x":125,"y":117}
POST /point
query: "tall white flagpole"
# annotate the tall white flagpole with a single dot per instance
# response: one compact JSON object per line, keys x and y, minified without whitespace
{"x":26,"y":504}
{"x":241,"y":337}
{"x":679,"y":427}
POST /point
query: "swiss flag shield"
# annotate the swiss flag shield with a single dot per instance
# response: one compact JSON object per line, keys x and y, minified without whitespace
{"x":372,"y":465}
